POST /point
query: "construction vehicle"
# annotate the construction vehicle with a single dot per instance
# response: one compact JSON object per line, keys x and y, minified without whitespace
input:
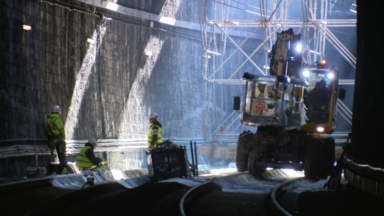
{"x":291,"y":108}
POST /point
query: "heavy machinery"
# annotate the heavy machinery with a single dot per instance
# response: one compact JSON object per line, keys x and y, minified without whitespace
{"x":291,"y":108}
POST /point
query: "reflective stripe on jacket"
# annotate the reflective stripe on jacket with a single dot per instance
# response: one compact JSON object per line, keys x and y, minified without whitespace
{"x":150,"y":135}
{"x":82,"y":159}
{"x":54,"y":128}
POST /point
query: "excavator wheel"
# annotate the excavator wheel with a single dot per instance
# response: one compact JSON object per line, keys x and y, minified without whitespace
{"x":327,"y":160}
{"x":256,"y":167}
{"x":256,"y":164}
{"x":241,"y":162}
{"x":319,"y":158}
{"x":310,"y":169}
{"x":242,"y":151}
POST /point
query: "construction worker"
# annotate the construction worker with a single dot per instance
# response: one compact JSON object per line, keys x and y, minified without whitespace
{"x":56,"y":135}
{"x":86,"y":159}
{"x":319,"y":97}
{"x":154,"y":135}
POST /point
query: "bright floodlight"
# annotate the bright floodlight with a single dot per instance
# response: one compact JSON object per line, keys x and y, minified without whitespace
{"x":320,"y":129}
{"x":299,"y":47}
{"x":112,"y":6}
{"x":306,"y":73}
{"x":27,"y":27}
{"x":330,"y":75}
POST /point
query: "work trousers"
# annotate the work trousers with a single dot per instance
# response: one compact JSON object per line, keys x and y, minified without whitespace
{"x":61,"y":154}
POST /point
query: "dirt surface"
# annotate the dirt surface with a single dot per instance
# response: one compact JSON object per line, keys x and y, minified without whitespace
{"x":350,"y":202}
{"x":219,"y":203}
{"x":112,"y":199}
{"x":17,"y":203}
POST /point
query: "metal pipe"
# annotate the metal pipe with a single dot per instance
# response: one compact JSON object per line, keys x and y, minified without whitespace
{"x":224,"y":122}
{"x":342,"y":108}
{"x":241,"y":50}
{"x":341,"y":103}
{"x":344,"y":117}
{"x":254,"y":52}
{"x":329,"y":33}
{"x":193,"y":161}
{"x":332,"y":21}
{"x":231,"y":123}
{"x":334,"y":45}
{"x":197,"y":163}
{"x":233,"y":53}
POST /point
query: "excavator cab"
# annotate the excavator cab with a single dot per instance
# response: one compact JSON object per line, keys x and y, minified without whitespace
{"x":320,"y":98}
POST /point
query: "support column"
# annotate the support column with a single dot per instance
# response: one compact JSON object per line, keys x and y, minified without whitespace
{"x":365,"y":156}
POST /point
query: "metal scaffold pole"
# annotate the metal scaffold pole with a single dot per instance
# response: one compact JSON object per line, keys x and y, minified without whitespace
{"x":218,"y":20}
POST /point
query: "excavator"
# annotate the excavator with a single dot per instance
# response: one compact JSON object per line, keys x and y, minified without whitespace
{"x":291,"y":108}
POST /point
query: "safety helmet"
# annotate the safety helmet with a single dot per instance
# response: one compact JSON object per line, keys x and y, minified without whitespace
{"x":92,"y":140}
{"x":154,"y":115}
{"x":56,"y":109}
{"x":322,"y":83}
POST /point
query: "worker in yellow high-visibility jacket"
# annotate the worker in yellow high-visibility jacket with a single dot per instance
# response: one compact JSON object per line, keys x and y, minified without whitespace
{"x":56,"y":135}
{"x":86,"y":159}
{"x":154,"y":134}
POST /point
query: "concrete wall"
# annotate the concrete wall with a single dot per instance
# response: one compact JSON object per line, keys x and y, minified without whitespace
{"x":106,"y":89}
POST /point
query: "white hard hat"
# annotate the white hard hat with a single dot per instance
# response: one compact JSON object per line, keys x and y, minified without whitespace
{"x":56,"y":109}
{"x":92,"y":140}
{"x":154,"y":115}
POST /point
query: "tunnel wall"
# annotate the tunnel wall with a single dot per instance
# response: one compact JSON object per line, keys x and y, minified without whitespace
{"x":108,"y":88}
{"x":40,"y":68}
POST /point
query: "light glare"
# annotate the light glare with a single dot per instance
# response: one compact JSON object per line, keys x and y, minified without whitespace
{"x":27,"y":27}
{"x":112,"y":6}
{"x":90,"y":40}
{"x":306,"y":73}
{"x":167,"y":20}
{"x":299,"y":48}
{"x":330,"y":75}
{"x":148,"y":53}
{"x":320,"y":129}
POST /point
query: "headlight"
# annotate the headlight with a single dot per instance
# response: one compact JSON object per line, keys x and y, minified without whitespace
{"x":306,"y":73}
{"x":299,"y":48}
{"x":330,"y":75}
{"x":320,"y":129}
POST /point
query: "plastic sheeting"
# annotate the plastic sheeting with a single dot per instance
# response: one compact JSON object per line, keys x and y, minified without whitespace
{"x":245,"y":183}
{"x":307,"y":185}
{"x":190,"y":182}
{"x":71,"y":181}
{"x":129,"y":179}
{"x":134,"y":182}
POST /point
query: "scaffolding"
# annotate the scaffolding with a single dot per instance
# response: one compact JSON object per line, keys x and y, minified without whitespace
{"x":271,"y":16}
